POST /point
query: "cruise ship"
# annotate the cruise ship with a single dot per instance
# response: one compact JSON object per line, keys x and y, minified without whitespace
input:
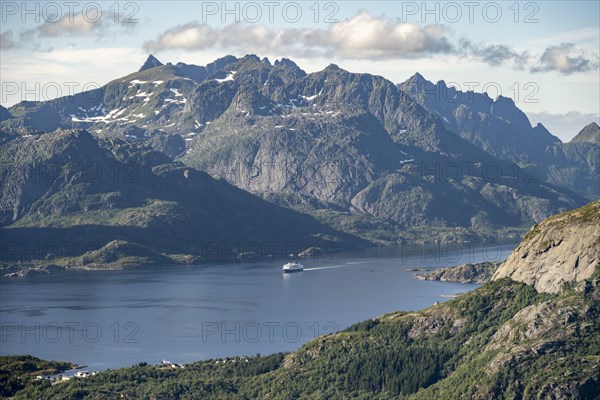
{"x":292,"y":267}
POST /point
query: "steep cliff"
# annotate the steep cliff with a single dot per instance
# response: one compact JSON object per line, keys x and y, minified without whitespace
{"x":562,"y":249}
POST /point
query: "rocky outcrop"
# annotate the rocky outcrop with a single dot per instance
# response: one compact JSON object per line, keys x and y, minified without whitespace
{"x":466,"y":273}
{"x":590,"y":134}
{"x":560,"y":250}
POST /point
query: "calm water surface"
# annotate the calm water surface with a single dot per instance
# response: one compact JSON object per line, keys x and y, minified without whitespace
{"x":183,"y":314}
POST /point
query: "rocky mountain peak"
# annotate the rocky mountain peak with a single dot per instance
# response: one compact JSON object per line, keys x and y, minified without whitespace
{"x":590,"y":133}
{"x":286,"y":62}
{"x":251,"y":57}
{"x":220,"y":63}
{"x":151,"y":62}
{"x":416,"y":85}
{"x":507,"y":101}
{"x":417,"y":78}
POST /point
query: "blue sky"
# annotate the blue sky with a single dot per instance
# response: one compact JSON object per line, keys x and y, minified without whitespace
{"x":543,"y":54}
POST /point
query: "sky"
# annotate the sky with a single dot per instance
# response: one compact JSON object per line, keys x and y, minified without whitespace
{"x":543,"y":54}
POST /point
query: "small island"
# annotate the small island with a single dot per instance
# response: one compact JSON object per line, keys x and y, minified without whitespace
{"x":466,"y":273}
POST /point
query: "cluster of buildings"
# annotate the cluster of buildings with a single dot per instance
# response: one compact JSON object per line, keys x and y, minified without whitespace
{"x":60,"y":377}
{"x":170,"y":364}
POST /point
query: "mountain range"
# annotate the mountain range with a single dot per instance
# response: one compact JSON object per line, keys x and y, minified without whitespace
{"x":370,"y":160}
{"x":69,"y":199}
{"x":500,"y":128}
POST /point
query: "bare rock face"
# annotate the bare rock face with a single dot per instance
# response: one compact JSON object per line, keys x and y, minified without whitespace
{"x":466,"y":273}
{"x":562,"y":249}
{"x":503,"y":130}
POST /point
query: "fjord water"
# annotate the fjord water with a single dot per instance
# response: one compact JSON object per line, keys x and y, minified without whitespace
{"x":110,"y":319}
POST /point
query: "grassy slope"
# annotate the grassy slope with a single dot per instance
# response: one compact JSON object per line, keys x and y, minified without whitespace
{"x":16,"y":372}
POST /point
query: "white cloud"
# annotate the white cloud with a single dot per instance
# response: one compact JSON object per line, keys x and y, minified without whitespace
{"x":494,"y":54}
{"x":362,"y":36}
{"x":566,"y":59}
{"x":77,"y":24}
{"x":365,"y":37}
{"x":69,"y":25}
